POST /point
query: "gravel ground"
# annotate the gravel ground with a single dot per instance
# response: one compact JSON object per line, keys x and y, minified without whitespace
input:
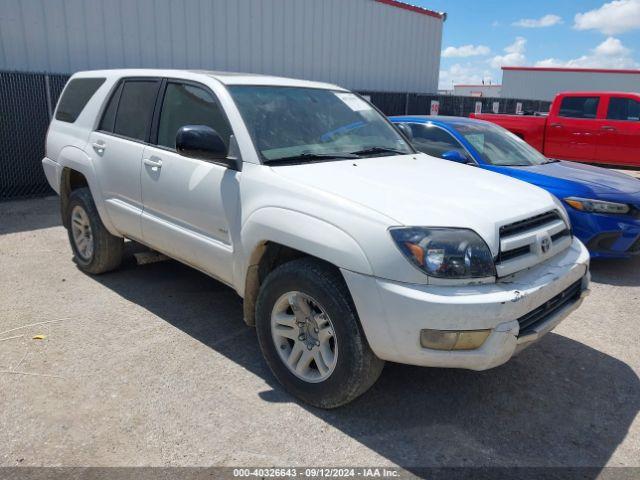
{"x":152,"y":365}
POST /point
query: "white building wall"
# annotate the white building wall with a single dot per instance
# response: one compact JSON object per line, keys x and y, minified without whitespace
{"x":537,"y":84}
{"x":360,"y":44}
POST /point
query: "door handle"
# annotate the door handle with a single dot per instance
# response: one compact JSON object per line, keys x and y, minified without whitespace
{"x":99,"y":147}
{"x":556,"y":125}
{"x":608,"y":128}
{"x":154,"y":164}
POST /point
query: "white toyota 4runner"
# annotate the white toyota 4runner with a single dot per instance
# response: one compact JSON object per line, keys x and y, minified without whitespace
{"x":348,"y":247}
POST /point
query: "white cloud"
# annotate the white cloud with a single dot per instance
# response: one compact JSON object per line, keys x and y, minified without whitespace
{"x":609,"y":54}
{"x":611,"y":18}
{"x":463,"y":74}
{"x":546,"y":21}
{"x":466,"y":51}
{"x":514,"y":55}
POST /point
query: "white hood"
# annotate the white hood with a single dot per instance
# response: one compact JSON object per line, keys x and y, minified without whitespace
{"x":420,"y":190}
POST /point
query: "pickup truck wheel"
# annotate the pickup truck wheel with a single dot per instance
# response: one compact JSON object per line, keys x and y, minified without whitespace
{"x":95,"y":250}
{"x":310,"y":335}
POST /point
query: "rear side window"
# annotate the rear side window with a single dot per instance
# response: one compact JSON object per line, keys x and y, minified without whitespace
{"x":135,"y":109}
{"x":75,"y":97}
{"x":185,"y":104}
{"x":623,"y":109}
{"x":579,"y":107}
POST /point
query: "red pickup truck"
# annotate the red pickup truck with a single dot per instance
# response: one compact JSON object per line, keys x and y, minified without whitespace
{"x":593,"y":127}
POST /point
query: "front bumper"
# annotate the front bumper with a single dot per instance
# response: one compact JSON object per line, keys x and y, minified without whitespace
{"x":607,"y":236}
{"x":392,"y":313}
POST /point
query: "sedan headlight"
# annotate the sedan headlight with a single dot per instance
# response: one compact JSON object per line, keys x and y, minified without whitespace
{"x":597,"y":206}
{"x":452,"y":253}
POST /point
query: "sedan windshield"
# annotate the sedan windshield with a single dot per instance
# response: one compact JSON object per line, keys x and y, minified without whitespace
{"x":310,"y":124}
{"x":498,"y":146}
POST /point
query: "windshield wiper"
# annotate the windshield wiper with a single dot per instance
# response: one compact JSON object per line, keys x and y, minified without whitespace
{"x":375,"y":150}
{"x":550,"y":160}
{"x":309,"y":156}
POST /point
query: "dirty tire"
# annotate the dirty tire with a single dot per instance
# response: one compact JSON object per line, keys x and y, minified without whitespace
{"x":356,"y":368}
{"x":107,"y":248}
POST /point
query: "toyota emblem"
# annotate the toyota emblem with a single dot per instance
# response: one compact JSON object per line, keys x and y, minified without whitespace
{"x":545,"y":244}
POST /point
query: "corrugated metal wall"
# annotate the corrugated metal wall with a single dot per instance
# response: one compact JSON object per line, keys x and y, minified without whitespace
{"x":544,"y":85}
{"x":360,"y":44}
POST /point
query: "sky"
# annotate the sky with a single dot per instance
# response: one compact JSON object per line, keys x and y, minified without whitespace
{"x":480,"y":36}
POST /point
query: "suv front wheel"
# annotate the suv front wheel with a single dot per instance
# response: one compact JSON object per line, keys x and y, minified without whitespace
{"x":310,"y":335}
{"x":95,"y":250}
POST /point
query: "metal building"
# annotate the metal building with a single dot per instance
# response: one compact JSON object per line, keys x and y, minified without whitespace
{"x":541,"y":83}
{"x":374,"y":45}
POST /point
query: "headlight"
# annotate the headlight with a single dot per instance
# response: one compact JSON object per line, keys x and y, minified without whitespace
{"x":597,"y":206}
{"x":450,"y":253}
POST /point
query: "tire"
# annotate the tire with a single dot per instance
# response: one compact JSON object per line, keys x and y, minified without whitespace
{"x":354,"y":368}
{"x":104,"y":252}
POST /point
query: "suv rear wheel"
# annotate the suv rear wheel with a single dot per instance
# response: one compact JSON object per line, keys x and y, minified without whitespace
{"x":310,"y":335}
{"x":95,"y":250}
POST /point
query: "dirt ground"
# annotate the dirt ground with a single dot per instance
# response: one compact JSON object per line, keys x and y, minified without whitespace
{"x":152,"y":365}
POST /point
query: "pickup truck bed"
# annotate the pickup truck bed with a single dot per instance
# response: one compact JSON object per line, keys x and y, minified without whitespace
{"x":530,"y":128}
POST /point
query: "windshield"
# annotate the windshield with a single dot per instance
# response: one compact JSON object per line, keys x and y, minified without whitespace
{"x":498,"y":146}
{"x":309,"y":124}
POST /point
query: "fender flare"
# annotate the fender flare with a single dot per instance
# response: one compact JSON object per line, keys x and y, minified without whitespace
{"x":299,"y":231}
{"x":74,"y":158}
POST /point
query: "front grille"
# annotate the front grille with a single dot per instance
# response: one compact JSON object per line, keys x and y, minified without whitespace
{"x":523,"y":244}
{"x":529,"y":223}
{"x":566,"y":297}
{"x":515,"y":253}
{"x":519,"y":252}
{"x":561,"y":234}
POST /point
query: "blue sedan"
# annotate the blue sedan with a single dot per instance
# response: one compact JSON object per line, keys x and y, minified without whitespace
{"x":604,"y":205}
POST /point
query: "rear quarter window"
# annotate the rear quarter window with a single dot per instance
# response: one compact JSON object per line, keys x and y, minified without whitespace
{"x":75,"y":97}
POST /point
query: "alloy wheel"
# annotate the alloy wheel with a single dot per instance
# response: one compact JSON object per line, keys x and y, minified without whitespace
{"x":304,"y":337}
{"x":82,"y":234}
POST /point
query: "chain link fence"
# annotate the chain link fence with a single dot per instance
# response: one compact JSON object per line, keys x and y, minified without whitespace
{"x":420,"y":104}
{"x":27,"y":101}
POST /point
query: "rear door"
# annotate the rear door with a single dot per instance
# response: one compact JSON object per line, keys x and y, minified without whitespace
{"x":573,"y":131}
{"x":620,"y":135}
{"x":187,"y":201}
{"x":117,"y":146}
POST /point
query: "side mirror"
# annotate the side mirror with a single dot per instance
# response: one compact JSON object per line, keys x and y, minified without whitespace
{"x":455,"y":156}
{"x":405,"y":130}
{"x":204,"y":143}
